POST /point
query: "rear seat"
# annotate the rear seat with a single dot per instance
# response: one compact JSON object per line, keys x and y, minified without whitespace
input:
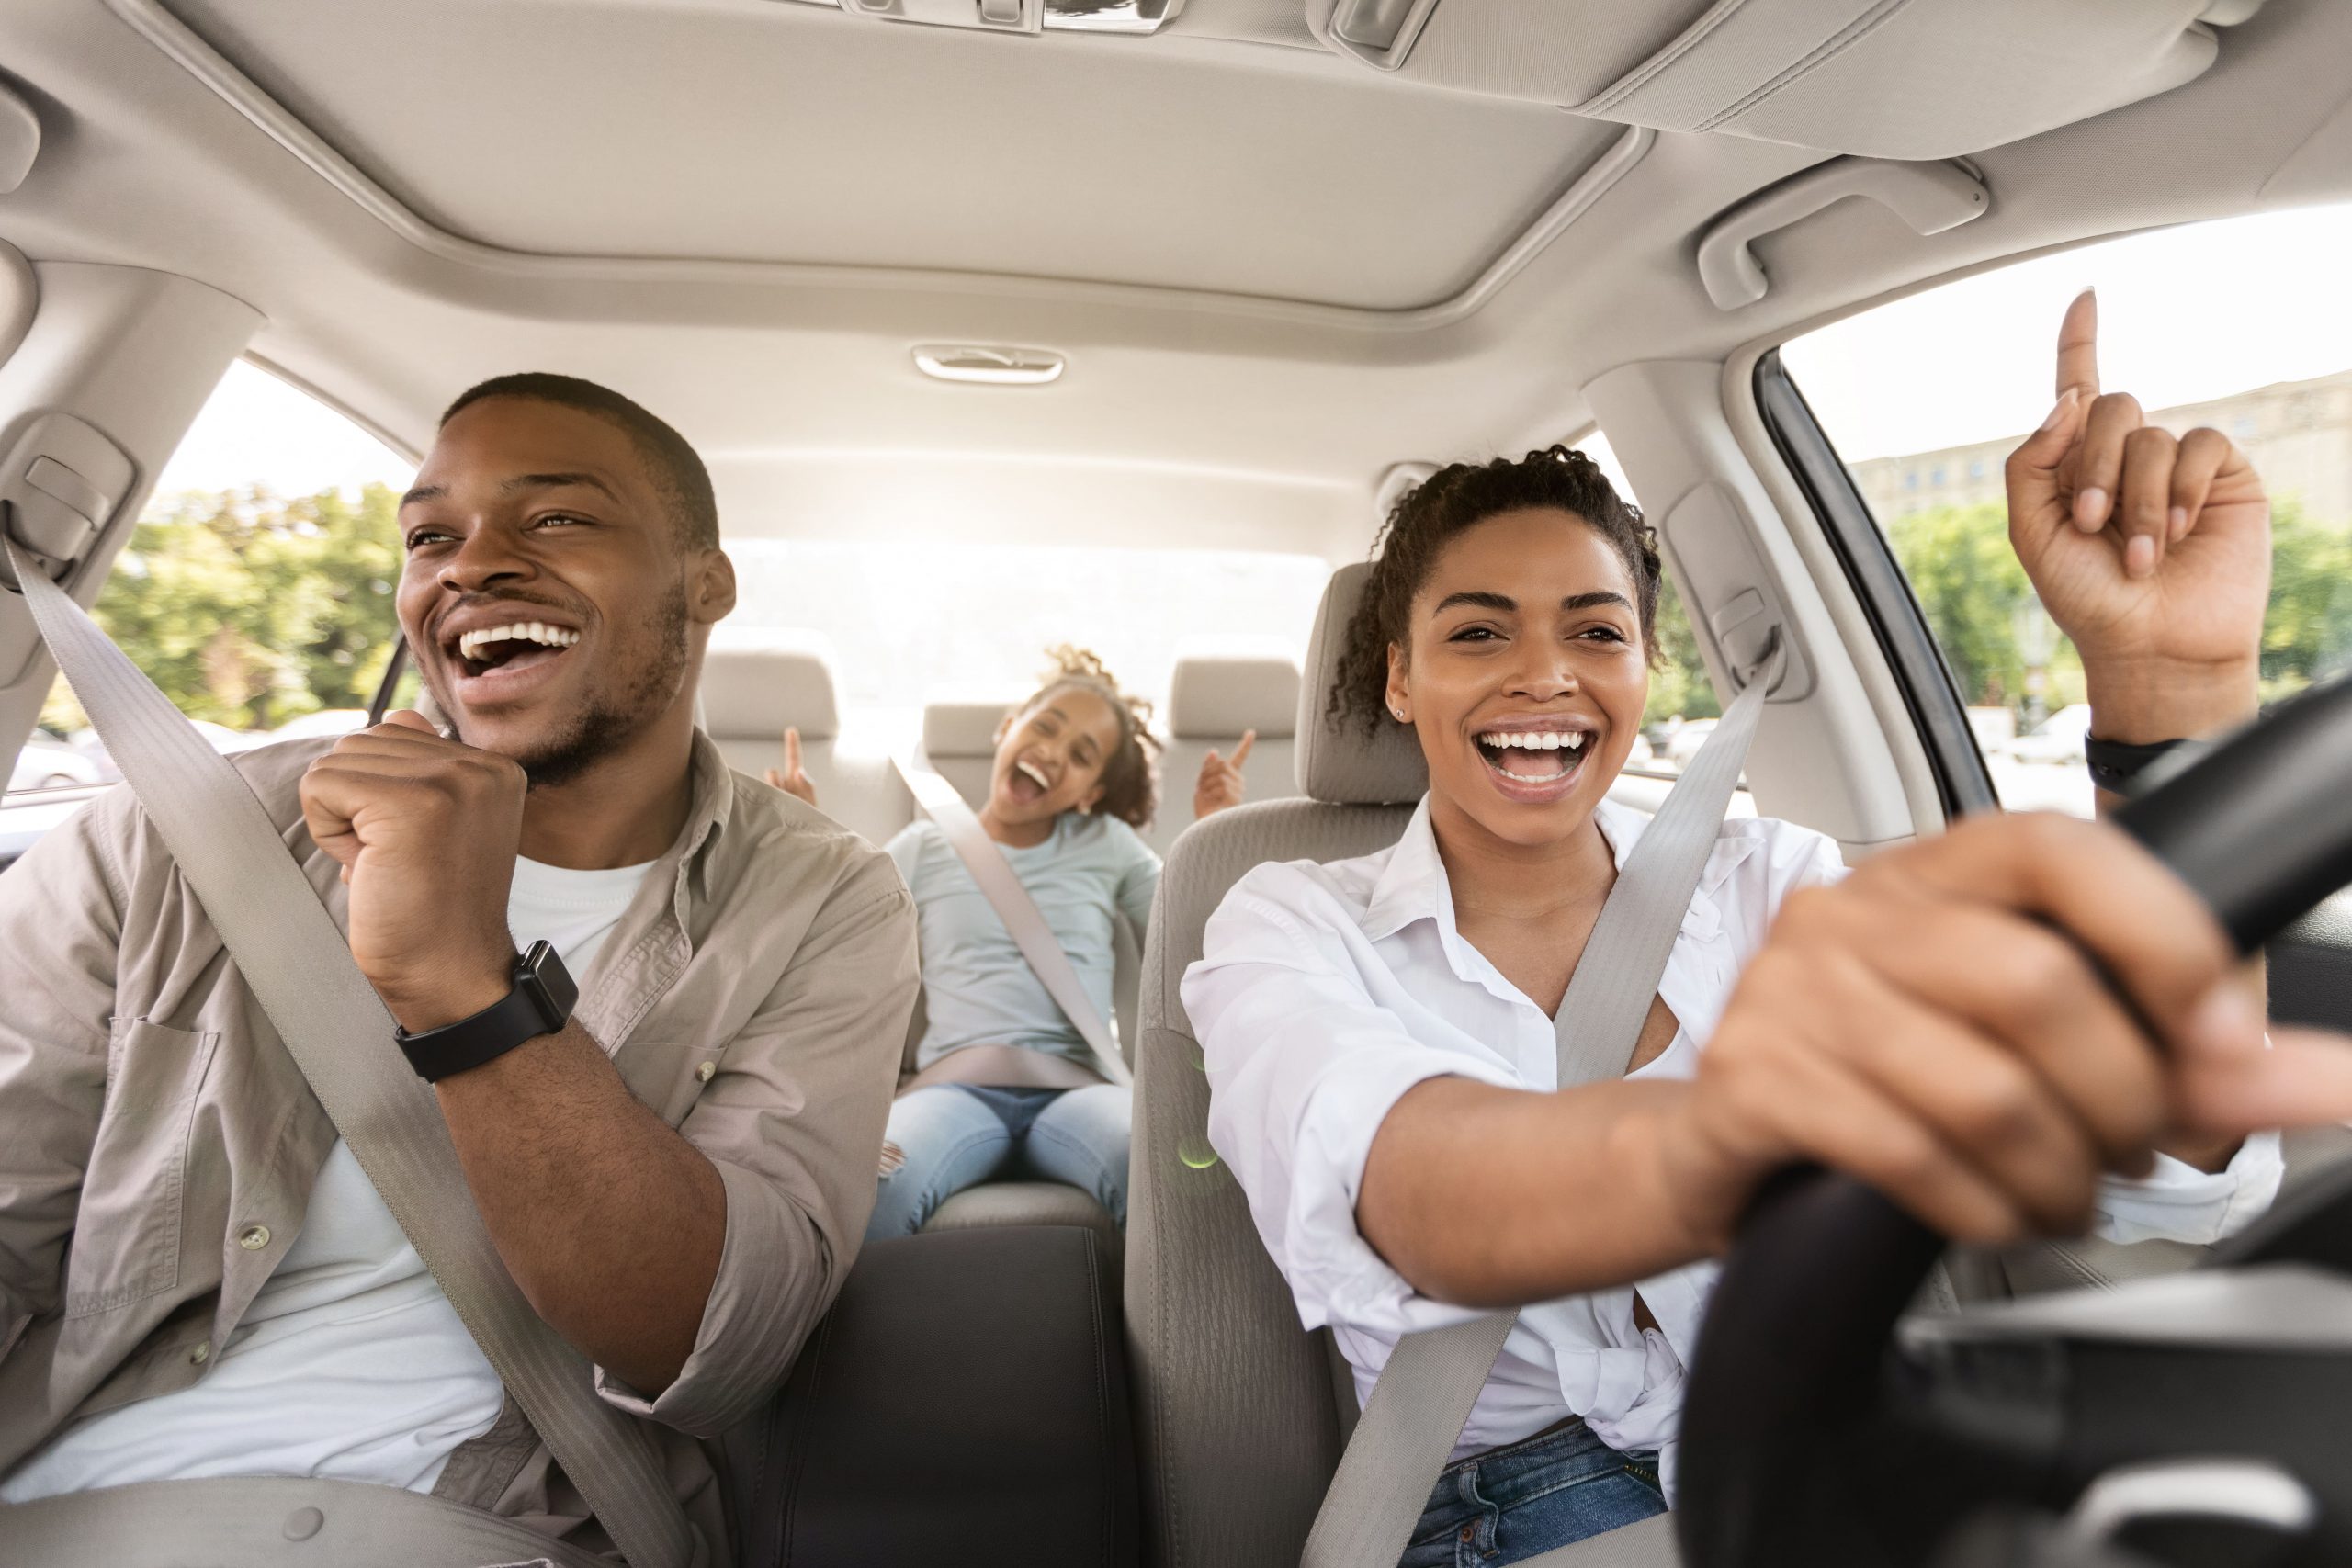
{"x":1215,"y":696}
{"x":959,"y":738}
{"x":754,"y":683}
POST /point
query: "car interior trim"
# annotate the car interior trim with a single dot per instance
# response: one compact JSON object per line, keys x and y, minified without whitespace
{"x":1963,"y":782}
{"x":154,"y":21}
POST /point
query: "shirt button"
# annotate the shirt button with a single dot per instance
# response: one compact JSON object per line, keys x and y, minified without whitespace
{"x":200,"y":1354}
{"x":253,"y":1239}
{"x":704,"y":1073}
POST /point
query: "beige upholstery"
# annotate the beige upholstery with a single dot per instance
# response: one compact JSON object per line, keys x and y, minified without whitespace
{"x":756,"y":682}
{"x":1240,"y":1430}
{"x":1214,"y":697}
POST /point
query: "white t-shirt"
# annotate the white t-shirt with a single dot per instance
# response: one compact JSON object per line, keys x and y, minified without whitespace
{"x":350,"y":1364}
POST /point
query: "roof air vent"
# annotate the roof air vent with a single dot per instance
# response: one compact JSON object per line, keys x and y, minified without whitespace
{"x":986,"y":364}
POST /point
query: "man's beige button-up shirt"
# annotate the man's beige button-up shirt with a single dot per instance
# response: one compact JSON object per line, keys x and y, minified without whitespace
{"x":158,"y":1144}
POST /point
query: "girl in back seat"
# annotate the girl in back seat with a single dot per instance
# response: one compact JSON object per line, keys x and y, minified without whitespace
{"x":1379,"y":1033}
{"x":1005,"y":1085}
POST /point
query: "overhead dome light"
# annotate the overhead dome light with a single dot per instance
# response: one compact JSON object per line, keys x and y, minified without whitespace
{"x":986,"y":364}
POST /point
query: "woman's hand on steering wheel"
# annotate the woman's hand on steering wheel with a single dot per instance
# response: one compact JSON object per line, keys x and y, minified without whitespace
{"x":2152,"y":552}
{"x":1925,"y":1026}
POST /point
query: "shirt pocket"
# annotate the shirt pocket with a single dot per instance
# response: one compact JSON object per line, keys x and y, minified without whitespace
{"x":127,"y":1228}
{"x":667,"y":1077}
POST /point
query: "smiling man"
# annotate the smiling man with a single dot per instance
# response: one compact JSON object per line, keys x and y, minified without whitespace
{"x":197,"y":1280}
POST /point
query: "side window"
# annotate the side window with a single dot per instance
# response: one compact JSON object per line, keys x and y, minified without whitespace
{"x":1924,"y":398}
{"x":257,"y":590}
{"x":1683,"y":706}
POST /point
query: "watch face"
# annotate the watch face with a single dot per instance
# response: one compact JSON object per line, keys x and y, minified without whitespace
{"x":549,"y":983}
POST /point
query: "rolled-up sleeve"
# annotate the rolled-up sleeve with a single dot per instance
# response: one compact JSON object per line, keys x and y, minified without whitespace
{"x":793,"y":1122}
{"x":1304,"y":1065}
{"x":59,"y":927}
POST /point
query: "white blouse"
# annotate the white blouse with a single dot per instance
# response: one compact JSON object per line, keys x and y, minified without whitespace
{"x":1325,"y":992}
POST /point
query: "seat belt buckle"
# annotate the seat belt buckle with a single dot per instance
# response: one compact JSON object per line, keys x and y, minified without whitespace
{"x":1748,"y":631}
{"x":56,"y":567}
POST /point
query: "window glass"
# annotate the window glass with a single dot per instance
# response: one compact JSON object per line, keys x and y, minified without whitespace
{"x":2244,"y":325}
{"x":258,"y":589}
{"x":981,"y":616}
{"x":1682,"y":703}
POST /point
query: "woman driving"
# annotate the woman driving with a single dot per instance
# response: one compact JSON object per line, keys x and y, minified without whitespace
{"x":1379,"y":1033}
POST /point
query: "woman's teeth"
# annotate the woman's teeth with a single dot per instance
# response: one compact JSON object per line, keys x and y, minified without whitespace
{"x":1516,"y":752}
{"x":1033,"y":775}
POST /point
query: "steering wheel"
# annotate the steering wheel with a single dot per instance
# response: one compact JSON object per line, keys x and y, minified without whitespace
{"x":1821,"y":1426}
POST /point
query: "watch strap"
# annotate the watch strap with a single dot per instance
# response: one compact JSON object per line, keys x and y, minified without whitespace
{"x":2115,"y":764}
{"x":539,"y":1003}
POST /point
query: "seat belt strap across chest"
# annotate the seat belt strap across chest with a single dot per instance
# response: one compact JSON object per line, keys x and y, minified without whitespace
{"x":1001,"y":884}
{"x":1424,"y":1396}
{"x":299,"y":968}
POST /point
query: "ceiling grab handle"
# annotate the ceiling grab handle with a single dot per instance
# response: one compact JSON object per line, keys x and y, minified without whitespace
{"x":1380,"y":33}
{"x":1931,"y":198}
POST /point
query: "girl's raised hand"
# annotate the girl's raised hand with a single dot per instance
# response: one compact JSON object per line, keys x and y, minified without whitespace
{"x":1220,"y":783}
{"x":791,"y":778}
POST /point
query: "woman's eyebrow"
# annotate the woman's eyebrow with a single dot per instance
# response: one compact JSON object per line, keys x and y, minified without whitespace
{"x":1592,"y":601}
{"x":1478,"y":596}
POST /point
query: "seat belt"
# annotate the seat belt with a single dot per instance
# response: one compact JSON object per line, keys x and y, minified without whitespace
{"x":985,"y":859}
{"x":299,"y":966}
{"x":1424,"y":1394}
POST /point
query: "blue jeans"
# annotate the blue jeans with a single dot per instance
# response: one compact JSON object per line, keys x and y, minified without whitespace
{"x":958,"y":1136}
{"x":1513,"y":1503}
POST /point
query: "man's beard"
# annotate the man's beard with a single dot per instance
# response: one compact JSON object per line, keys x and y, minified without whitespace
{"x":611,"y":720}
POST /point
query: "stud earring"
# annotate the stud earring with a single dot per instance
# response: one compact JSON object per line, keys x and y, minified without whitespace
{"x":1397,"y":714}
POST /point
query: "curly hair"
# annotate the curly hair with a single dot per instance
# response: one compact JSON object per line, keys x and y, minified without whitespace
{"x":1451,"y":501}
{"x":1131,"y":772}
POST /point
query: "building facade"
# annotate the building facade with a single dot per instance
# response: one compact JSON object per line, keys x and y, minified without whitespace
{"x":2299,"y":434}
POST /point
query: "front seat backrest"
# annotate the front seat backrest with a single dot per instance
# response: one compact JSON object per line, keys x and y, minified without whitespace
{"x":1215,"y":696}
{"x":756,"y":682}
{"x":1238,"y":1424}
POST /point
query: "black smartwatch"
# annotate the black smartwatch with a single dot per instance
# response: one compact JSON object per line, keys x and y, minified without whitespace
{"x":540,"y":1004}
{"x":2116,"y":765}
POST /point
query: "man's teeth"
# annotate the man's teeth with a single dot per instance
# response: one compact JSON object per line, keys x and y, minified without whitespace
{"x":1539,"y":740}
{"x":470,"y":644}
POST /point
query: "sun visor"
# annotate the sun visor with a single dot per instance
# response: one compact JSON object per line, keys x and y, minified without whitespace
{"x":1885,"y":78}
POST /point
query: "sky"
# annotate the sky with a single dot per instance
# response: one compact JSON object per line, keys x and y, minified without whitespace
{"x":2185,"y":314}
{"x":258,"y":430}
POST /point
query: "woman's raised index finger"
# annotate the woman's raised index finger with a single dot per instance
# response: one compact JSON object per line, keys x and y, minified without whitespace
{"x":1242,"y":752}
{"x":791,"y":749}
{"x":2078,"y":346}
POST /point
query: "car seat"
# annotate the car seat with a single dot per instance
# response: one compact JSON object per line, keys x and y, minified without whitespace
{"x":1215,"y":696}
{"x":1239,"y":1417}
{"x":755,"y":684}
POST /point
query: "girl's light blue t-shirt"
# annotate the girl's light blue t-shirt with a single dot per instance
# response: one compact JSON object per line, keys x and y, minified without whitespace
{"x":978,"y":989}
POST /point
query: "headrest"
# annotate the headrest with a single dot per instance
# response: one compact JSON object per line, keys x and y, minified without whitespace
{"x":754,"y":683}
{"x":1340,"y":763}
{"x":964,"y":724}
{"x":1216,"y":694}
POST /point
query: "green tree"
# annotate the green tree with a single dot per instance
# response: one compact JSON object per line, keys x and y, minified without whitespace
{"x":1679,"y":684}
{"x":1974,"y":595}
{"x":1976,"y":599}
{"x":2307,"y":630}
{"x":248,"y":610}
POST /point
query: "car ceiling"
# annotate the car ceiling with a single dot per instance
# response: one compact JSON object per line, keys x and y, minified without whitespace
{"x":1273,"y":271}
